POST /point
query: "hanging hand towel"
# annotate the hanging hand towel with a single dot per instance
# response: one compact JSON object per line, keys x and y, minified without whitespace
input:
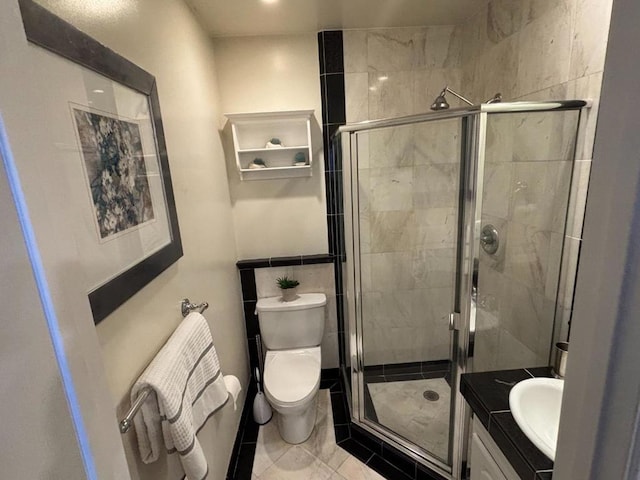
{"x":188,"y":388}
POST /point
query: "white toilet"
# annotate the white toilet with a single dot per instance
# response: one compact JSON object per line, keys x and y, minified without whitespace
{"x":292,"y":333}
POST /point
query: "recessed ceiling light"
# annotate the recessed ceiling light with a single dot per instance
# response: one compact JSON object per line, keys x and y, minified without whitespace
{"x":269,"y":2}
{"x":98,"y":90}
{"x":382,"y":78}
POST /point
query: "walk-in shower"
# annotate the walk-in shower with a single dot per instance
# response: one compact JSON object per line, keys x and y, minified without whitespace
{"x":424,"y":303}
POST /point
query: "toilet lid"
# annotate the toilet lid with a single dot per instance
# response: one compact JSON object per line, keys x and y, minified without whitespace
{"x":291,"y":375}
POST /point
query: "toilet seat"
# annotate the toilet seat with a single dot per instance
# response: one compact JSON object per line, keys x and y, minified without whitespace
{"x":292,"y":377}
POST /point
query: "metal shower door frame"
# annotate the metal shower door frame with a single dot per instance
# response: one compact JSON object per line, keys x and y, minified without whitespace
{"x":474,"y":131}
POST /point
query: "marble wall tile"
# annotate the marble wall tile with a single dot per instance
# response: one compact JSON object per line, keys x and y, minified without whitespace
{"x":487,"y":341}
{"x":354,"y":44}
{"x":437,"y":142}
{"x":525,"y":313}
{"x":570,"y":257}
{"x":435,"y":342}
{"x":329,"y":350}
{"x":266,"y":285}
{"x":435,"y":227}
{"x":386,"y":309}
{"x":395,"y":49}
{"x":554,"y":264}
{"x":392,"y":231}
{"x":391,"y":189}
{"x":491,"y":290}
{"x":512,"y":353}
{"x":435,"y":185}
{"x":366,"y":283}
{"x":496,"y":189}
{"x":392,"y":147}
{"x":527,"y":255}
{"x":356,"y":86}
{"x":443,"y":47}
{"x":431,"y":306}
{"x":591,"y":32}
{"x":535,"y":9}
{"x":392,"y":271}
{"x":545,"y":136}
{"x":314,"y":278}
{"x":365,"y":233}
{"x":390,"y":94}
{"x":544,"y":50}
{"x":497,"y":70}
{"x":500,"y":138}
{"x":539,"y":194}
{"x":427,"y":84}
{"x":504,"y":18}
{"x":432,"y":268}
{"x":364,"y":190}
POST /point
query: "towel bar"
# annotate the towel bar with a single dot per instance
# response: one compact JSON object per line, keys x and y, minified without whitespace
{"x":127,"y":421}
{"x":186,"y":307}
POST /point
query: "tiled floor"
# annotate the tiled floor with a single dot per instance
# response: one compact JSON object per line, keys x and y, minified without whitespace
{"x":319,"y":458}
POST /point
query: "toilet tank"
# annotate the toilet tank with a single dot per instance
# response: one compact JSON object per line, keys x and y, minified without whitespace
{"x":296,"y":324}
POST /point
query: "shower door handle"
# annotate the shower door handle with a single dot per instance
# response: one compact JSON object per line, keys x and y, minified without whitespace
{"x":454,"y":319}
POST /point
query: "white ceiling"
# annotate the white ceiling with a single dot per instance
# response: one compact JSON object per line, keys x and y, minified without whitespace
{"x":257,"y":17}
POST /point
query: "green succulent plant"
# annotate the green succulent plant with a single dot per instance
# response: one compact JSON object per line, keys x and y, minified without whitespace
{"x":286,"y":282}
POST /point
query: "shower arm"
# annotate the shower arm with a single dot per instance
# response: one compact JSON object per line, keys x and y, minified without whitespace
{"x":456,"y":94}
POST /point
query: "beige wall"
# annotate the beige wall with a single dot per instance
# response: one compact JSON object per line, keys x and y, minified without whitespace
{"x":163,"y":38}
{"x":260,"y":74}
{"x":38,"y":435}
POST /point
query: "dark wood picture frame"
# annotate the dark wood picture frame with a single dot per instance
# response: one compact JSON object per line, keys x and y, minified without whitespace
{"x":46,"y":30}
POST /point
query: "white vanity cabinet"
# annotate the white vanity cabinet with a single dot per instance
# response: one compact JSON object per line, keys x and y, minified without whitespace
{"x":252,"y":131}
{"x":487,"y":461}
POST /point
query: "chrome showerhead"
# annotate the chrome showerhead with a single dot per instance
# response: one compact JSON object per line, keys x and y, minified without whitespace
{"x":440,"y":103}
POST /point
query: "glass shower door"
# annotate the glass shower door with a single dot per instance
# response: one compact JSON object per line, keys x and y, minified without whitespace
{"x":528,"y":169}
{"x":406,"y":193}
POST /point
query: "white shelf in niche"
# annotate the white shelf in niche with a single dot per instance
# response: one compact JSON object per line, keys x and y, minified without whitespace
{"x":251,"y":132}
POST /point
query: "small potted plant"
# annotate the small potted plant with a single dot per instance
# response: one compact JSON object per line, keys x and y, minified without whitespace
{"x":289,"y":288}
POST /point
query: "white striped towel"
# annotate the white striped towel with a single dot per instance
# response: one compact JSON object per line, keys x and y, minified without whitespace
{"x":187,"y":388}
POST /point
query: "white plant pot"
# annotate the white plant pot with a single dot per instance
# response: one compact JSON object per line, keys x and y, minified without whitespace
{"x":289,"y":294}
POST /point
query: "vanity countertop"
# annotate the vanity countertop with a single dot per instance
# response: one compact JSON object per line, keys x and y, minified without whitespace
{"x":487,"y":393}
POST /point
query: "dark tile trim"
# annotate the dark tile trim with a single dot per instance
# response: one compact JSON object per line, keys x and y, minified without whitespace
{"x":489,"y":401}
{"x":284,"y":261}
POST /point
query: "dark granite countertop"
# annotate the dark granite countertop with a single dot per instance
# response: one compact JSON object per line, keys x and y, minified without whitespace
{"x":487,"y":393}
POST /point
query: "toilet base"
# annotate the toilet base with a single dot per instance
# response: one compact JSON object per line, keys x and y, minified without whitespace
{"x":297,"y":427}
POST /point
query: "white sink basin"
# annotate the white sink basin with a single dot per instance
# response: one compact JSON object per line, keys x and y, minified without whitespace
{"x":535,"y":404}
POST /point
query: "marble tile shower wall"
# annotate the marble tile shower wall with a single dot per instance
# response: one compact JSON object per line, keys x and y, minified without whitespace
{"x":408,"y":188}
{"x":317,"y":278}
{"x":533,"y":50}
{"x":399,"y":71}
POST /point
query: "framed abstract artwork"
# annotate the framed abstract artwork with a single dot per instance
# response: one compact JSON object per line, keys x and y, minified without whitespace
{"x":123,"y":212}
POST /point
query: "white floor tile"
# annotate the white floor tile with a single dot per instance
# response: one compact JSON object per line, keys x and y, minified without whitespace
{"x":319,"y":458}
{"x":269,"y":447}
{"x":354,"y":469}
{"x":297,"y":464}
